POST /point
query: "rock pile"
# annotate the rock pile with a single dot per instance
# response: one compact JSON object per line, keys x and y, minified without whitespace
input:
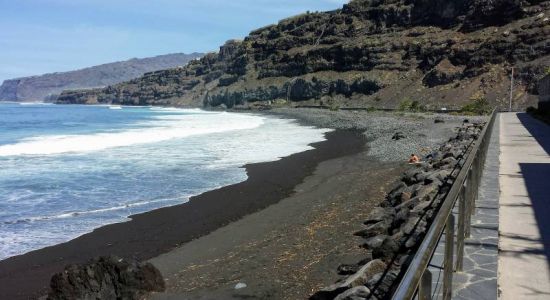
{"x":106,"y":278}
{"x":395,"y":229}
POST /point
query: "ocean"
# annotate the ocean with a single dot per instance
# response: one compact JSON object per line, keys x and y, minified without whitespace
{"x":68,"y":169}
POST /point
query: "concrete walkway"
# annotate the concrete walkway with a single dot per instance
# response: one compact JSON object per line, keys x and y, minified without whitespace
{"x":524,"y":225}
{"x":478,"y":279}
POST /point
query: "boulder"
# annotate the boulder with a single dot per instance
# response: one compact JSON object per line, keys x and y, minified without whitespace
{"x":433,"y":179}
{"x":385,"y":283}
{"x":106,"y":278}
{"x":375,"y":241}
{"x":398,"y":136}
{"x":360,"y":278}
{"x":356,"y":293}
{"x":396,"y":190}
{"x":381,"y":227}
{"x":378,"y":214}
{"x":409,"y":176}
{"x":386,"y":251}
{"x":401,"y":217}
{"x":428,"y":192}
{"x":421,"y":207}
{"x":347,"y":269}
{"x":409,"y":204}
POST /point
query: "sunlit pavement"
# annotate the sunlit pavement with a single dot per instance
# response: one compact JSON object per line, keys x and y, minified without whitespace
{"x":524,"y":227}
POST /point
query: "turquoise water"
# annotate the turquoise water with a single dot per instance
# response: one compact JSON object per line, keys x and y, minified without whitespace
{"x":65,"y":170}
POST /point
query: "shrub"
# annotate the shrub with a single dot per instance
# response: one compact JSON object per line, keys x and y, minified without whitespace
{"x":411,"y":106}
{"x":405,"y":105}
{"x":371,"y":109}
{"x":477,"y":106}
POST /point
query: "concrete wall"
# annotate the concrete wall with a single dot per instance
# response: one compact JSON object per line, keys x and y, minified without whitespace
{"x":544,"y":93}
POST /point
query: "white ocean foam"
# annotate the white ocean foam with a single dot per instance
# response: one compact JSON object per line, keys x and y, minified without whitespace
{"x":165,"y":128}
{"x":220,"y":154}
{"x":34,"y":103}
{"x":179,"y":200}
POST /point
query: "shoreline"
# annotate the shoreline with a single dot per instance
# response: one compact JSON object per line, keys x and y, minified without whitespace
{"x":156,"y":232}
{"x":289,"y":249}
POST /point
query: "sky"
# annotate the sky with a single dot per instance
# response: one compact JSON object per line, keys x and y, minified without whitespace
{"x":44,"y":36}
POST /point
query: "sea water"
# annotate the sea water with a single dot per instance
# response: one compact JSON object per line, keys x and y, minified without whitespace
{"x":67,"y":169}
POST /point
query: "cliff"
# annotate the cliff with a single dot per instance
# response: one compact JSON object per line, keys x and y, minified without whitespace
{"x":370,"y":53}
{"x":48,"y":86}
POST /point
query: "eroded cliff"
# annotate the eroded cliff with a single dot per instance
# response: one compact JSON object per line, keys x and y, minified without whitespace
{"x":375,"y":53}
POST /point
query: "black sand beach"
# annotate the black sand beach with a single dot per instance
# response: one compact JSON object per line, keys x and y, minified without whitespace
{"x":283,"y":231}
{"x":291,"y":248}
{"x":153,"y":233}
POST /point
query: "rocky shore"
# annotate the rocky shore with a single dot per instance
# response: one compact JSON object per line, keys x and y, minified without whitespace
{"x":418,"y":133}
{"x":396,"y":228}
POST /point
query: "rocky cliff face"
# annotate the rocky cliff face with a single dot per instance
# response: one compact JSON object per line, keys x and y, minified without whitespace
{"x":49,"y":86}
{"x":369,"y":53}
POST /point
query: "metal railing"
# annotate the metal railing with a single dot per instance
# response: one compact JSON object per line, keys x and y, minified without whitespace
{"x":417,"y":279}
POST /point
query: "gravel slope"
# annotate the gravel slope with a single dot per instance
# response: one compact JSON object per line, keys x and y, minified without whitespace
{"x":420,"y":130}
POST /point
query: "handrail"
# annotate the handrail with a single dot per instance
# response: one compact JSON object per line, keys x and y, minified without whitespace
{"x":412,"y":277}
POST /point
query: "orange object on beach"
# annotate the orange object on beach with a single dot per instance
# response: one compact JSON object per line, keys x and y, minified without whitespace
{"x":414,"y":159}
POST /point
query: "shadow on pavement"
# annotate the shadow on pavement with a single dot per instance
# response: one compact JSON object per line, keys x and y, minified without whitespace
{"x":538,"y":129}
{"x":537,"y":180}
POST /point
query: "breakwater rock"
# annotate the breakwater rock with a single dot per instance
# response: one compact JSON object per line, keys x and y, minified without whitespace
{"x":394,"y":230}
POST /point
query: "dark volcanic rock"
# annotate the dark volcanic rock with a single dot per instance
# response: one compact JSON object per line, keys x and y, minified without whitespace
{"x":386,"y":251}
{"x":380,"y":214}
{"x":361,"y":55}
{"x":398,"y":136}
{"x":106,"y":278}
{"x":360,"y":278}
{"x":445,"y":72}
{"x":374,"y":229}
{"x":358,"y":292}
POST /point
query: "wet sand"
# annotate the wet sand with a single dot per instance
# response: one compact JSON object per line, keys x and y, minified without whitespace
{"x":153,"y":233}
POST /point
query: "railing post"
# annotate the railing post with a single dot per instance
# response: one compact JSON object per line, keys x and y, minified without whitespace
{"x":468,"y":202}
{"x":425,"y":287}
{"x":472,"y":178}
{"x":479,"y":165}
{"x":449,"y":265}
{"x":460,"y":232}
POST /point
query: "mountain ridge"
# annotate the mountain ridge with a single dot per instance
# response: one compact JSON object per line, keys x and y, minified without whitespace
{"x":48,"y":86}
{"x":369,"y":53}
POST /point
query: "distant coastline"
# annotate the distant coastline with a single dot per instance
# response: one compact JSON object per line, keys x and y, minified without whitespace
{"x":46,"y":87}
